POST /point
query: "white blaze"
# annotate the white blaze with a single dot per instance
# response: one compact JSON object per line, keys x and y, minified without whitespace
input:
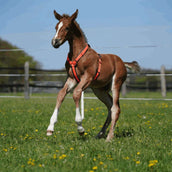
{"x":59,"y":27}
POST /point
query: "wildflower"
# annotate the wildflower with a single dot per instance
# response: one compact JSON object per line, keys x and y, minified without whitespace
{"x":137,"y":162}
{"x":82,"y":155}
{"x":94,"y":159}
{"x":101,"y":163}
{"x":126,"y":158}
{"x":54,"y":156}
{"x":85,"y":134}
{"x":71,"y":149}
{"x":2,"y":134}
{"x":62,"y":156}
{"x":105,"y":166}
{"x":36,"y":130}
{"x":5,"y":150}
{"x":37,"y":111}
{"x":138,"y":153}
{"x":40,"y":165}
{"x":31,"y":162}
{"x":95,"y":168}
{"x":152,"y":163}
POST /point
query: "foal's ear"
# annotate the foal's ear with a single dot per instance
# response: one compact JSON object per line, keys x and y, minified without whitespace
{"x":57,"y":16}
{"x":74,"y":15}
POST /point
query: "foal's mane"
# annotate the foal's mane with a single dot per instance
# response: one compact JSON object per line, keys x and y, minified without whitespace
{"x":77,"y":28}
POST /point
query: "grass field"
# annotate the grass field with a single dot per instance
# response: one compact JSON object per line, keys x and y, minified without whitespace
{"x":143,"y":137}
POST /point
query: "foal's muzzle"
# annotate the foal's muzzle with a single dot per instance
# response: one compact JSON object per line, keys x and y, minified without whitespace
{"x":56,"y":43}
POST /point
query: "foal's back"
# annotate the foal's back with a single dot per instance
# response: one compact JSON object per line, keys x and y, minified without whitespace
{"x":111,"y":65}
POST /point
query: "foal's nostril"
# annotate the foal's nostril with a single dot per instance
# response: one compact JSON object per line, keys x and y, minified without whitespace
{"x":55,"y":43}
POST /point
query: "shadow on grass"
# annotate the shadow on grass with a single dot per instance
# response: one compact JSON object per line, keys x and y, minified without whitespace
{"x":124,"y":133}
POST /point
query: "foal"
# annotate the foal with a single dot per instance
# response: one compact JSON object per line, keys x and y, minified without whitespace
{"x":86,"y":68}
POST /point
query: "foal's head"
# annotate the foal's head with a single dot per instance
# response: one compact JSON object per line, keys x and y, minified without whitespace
{"x":63,"y":28}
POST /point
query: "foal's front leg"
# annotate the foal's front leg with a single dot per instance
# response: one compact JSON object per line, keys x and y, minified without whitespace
{"x":70,"y":83}
{"x":83,"y":84}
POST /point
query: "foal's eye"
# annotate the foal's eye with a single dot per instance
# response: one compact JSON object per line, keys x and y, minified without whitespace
{"x":67,"y":28}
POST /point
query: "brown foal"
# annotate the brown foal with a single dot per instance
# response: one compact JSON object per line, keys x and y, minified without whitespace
{"x":102,"y":73}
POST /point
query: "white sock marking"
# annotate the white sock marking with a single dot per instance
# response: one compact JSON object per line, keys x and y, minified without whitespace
{"x":53,"y":120}
{"x":78,"y":118}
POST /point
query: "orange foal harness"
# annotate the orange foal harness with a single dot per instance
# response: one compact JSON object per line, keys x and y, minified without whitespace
{"x":74,"y":63}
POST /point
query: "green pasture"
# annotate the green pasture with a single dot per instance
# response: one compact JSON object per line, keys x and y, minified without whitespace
{"x":142,"y":142}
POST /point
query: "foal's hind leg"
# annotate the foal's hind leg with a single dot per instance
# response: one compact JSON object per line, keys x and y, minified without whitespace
{"x":106,"y":98}
{"x":115,"y":110}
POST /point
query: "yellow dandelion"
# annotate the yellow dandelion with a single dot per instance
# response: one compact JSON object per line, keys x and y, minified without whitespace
{"x":37,"y":111}
{"x":95,"y":168}
{"x":127,"y":158}
{"x":137,"y":162}
{"x":54,"y":156}
{"x":152,"y":163}
{"x":40,"y":165}
{"x":85,"y":134}
{"x":94,"y":159}
{"x":82,"y":155}
{"x":62,"y":156}
{"x":71,"y":149}
{"x":138,"y":153}
{"x":101,"y":163}
{"x":5,"y":150}
{"x":105,"y":166}
{"x":36,"y":130}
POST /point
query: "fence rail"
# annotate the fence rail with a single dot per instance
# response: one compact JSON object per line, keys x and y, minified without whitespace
{"x":29,"y":72}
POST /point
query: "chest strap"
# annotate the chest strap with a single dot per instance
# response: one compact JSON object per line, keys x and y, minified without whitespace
{"x":74,"y":63}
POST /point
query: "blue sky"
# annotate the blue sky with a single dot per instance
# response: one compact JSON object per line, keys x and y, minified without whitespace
{"x":133,"y":29}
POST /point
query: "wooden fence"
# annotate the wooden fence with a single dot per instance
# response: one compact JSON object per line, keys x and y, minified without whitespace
{"x":27,"y":85}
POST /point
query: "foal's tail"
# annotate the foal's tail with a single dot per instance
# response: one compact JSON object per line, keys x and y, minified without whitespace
{"x":132,"y":66}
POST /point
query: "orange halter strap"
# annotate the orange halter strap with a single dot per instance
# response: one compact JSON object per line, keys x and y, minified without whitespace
{"x":74,"y":63}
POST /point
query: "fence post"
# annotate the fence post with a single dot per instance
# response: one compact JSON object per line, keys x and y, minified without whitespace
{"x":163,"y":81}
{"x":26,"y":80}
{"x":124,"y":89}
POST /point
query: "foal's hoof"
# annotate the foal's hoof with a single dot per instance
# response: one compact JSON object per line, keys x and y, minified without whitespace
{"x":100,"y":135}
{"x":49,"y":133}
{"x":81,"y":130}
{"x":109,"y":138}
{"x":82,"y":134}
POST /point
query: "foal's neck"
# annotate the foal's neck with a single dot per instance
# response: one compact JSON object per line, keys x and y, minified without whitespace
{"x":77,"y":43}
